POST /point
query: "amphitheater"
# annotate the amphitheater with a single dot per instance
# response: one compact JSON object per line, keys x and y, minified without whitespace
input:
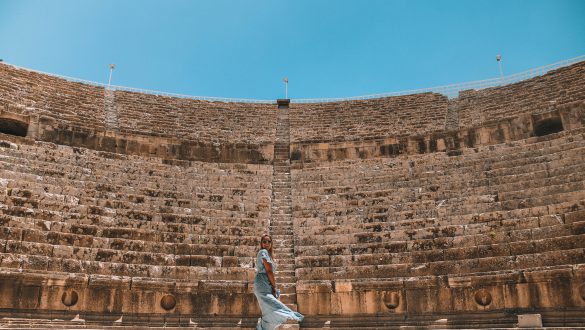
{"x":130,"y":209}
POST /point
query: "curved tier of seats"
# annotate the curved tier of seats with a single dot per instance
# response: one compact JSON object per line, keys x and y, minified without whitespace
{"x":82,"y":115}
{"x":562,"y":86}
{"x":398,"y":116}
{"x":432,"y":221}
{"x":188,"y":119}
{"x":71,"y":212}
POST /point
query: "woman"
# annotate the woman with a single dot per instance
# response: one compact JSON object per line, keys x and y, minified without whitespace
{"x":274,"y":312}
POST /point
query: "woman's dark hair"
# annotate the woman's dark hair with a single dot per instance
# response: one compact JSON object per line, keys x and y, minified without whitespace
{"x":269,"y":250}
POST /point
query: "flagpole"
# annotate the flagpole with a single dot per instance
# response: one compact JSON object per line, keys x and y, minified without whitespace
{"x":112,"y":67}
{"x":285,"y":79}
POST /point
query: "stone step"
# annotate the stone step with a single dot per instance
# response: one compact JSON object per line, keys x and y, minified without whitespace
{"x":282,"y":236}
{"x":282,"y":217}
{"x":286,"y":207}
{"x":287,"y":288}
{"x":278,"y":231}
{"x":289,"y":256}
{"x":281,"y":220}
{"x":286,"y":264}
{"x":281,"y":227}
{"x":281,"y":204}
{"x":282,"y":207}
{"x":290,"y":270}
{"x":285,"y":273}
{"x":289,"y":326}
{"x":282,"y":198}
{"x":294,"y":307}
{"x":282,"y":211}
{"x":283,"y":250}
{"x":286,"y":279}
{"x":284,"y":246}
{"x":288,"y":298}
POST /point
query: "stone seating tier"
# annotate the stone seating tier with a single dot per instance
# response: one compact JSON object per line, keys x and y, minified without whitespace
{"x":93,"y":108}
{"x":512,"y":208}
{"x":551,"y":90}
{"x":42,"y":95}
{"x":358,"y":120}
{"x":442,"y":187}
{"x":70,"y":209}
{"x":196,"y":120}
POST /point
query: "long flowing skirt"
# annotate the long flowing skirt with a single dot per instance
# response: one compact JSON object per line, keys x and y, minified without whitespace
{"x":274,"y":312}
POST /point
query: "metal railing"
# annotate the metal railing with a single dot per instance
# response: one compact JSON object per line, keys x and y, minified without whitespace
{"x":453,"y":90}
{"x":146,"y":91}
{"x":450,"y":91}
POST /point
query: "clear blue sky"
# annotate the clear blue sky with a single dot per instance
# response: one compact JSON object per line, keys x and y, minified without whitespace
{"x":336,"y":48}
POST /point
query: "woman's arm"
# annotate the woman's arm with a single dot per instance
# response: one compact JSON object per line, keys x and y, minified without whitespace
{"x":270,"y":275}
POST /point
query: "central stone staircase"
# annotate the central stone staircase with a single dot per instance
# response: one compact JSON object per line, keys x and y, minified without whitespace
{"x":281,"y":226}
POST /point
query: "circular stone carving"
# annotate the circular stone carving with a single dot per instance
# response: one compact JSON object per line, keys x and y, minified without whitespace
{"x":483,"y":297}
{"x":69,"y":298}
{"x":391,"y":300}
{"x":582,"y":291}
{"x":168,"y":302}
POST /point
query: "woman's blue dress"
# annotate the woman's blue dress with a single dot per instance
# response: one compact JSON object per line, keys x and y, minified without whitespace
{"x":274,"y":312}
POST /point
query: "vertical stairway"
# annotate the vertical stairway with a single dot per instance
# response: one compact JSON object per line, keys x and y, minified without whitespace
{"x":110,"y":110}
{"x":281,"y":227}
{"x":452,"y":118}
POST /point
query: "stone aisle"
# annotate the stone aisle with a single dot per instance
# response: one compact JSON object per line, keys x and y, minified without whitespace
{"x":281,"y":227}
{"x":110,"y":111}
